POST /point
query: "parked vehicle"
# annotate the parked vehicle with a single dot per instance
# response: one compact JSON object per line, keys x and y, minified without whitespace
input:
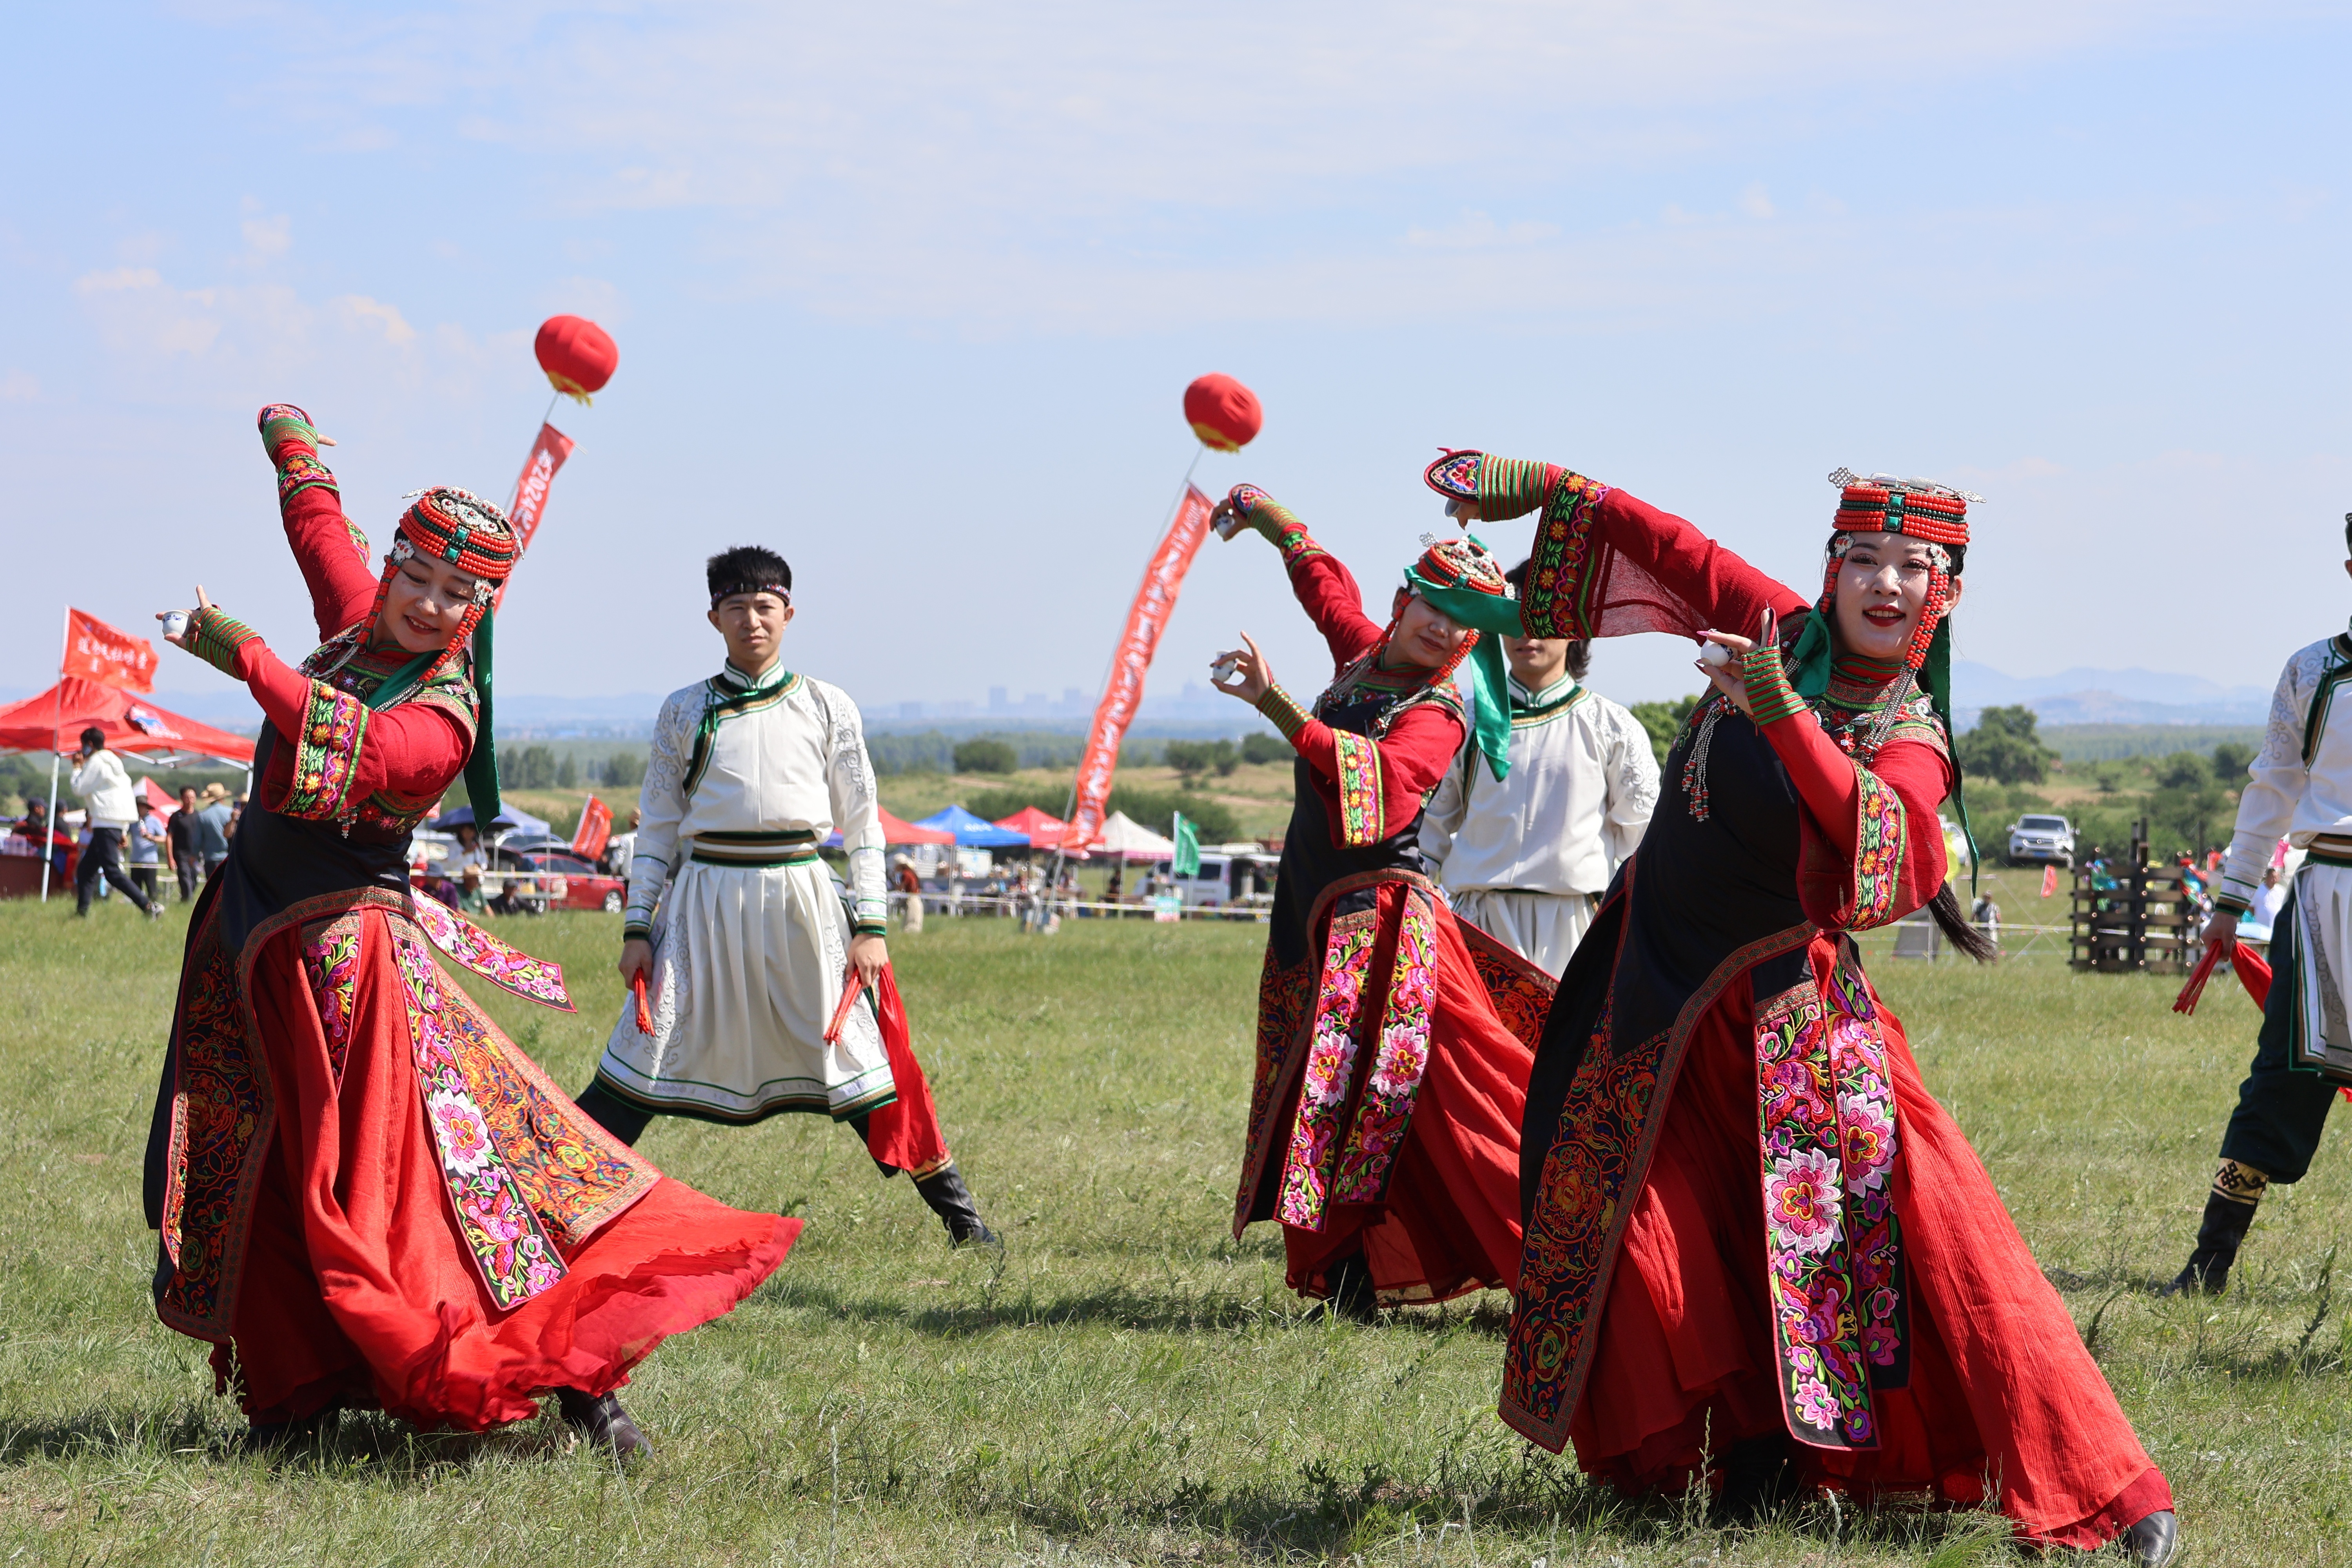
{"x":2041,"y":841}
{"x":1227,"y":876}
{"x":566,"y":881}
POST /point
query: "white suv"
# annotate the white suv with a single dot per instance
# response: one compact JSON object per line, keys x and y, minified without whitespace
{"x":2042,"y":841}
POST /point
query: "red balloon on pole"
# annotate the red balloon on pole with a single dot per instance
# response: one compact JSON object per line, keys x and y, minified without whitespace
{"x":1222,"y":412}
{"x":578,"y":356}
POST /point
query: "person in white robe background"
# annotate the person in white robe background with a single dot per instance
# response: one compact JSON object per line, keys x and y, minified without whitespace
{"x":736,"y":925}
{"x":1526,"y":860}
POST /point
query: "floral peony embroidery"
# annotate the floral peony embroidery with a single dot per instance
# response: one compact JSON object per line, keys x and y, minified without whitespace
{"x":1801,"y":1198}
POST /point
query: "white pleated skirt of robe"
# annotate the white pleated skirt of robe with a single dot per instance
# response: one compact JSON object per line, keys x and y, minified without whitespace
{"x":749,"y":963}
{"x":1542,"y":928}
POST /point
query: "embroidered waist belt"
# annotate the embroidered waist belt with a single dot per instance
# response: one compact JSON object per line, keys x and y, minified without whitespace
{"x":789,"y":847}
{"x":2327,"y":849}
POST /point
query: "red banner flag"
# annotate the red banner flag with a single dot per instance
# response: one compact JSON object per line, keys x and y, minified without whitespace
{"x":2049,"y":881}
{"x":596,"y":829}
{"x":1154,"y":603}
{"x":530,"y":503}
{"x":110,"y":657}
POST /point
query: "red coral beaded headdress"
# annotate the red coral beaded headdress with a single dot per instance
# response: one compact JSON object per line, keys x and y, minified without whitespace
{"x":1917,"y":509}
{"x":1463,"y":564}
{"x":459,"y":528}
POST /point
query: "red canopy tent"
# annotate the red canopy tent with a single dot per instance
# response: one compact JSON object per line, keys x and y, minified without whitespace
{"x":896,"y":830}
{"x":1044,"y":832}
{"x":54,"y":720}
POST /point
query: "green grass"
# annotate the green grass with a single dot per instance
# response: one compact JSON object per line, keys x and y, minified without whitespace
{"x":1127,"y":1383}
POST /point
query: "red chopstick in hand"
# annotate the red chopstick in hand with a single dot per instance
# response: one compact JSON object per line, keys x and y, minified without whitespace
{"x":645,"y":1014}
{"x":849,"y":989}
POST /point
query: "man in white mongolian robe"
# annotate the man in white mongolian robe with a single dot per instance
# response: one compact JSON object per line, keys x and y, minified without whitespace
{"x":1526,"y":860}
{"x":2300,"y":789}
{"x":734,"y":922}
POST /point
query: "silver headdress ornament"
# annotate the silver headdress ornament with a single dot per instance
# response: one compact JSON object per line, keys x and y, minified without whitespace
{"x":1844,"y":477}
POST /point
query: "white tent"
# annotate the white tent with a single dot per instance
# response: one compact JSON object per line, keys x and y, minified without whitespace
{"x":1129,"y":841}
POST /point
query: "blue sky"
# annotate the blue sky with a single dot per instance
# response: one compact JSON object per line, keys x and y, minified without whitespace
{"x":911,"y":293}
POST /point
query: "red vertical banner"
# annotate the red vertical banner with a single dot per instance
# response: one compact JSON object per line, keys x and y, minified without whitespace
{"x":596,"y":829}
{"x":530,"y":503}
{"x":110,"y":657}
{"x":2049,"y":880}
{"x":1155,"y":601}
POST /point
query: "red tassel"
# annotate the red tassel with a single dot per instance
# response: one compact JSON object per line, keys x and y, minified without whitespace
{"x":2187,"y":1000}
{"x":645,"y":1014}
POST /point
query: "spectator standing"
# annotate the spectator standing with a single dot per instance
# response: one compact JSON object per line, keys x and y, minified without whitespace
{"x":186,"y":860}
{"x":212,"y":829}
{"x":1986,"y":916}
{"x":150,"y":849}
{"x":35,"y":827}
{"x":106,"y":797}
{"x":910,"y":885}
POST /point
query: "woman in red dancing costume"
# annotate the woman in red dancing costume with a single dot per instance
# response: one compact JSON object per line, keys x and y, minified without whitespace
{"x":1383,"y":1126}
{"x":1750,"y":1230}
{"x":366,"y":1195}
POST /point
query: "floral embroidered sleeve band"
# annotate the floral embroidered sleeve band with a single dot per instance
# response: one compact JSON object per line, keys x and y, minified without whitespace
{"x":1604,"y":563}
{"x":332,"y":551}
{"x":327,"y":747}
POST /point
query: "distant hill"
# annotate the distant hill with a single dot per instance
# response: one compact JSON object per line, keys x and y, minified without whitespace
{"x":2108,"y":743}
{"x":2107,"y":698}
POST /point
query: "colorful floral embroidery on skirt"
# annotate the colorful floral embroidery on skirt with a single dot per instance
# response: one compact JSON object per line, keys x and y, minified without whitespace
{"x":1329,"y":1071}
{"x":223,"y":1108}
{"x":1359,"y":790}
{"x":332,"y":964}
{"x":1384,"y":1113}
{"x":496,"y":961}
{"x":516,"y":1258}
{"x":1825,"y":1117}
{"x":1879,"y":843}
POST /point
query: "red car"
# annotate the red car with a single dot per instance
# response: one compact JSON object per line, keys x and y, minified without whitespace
{"x":568,"y":882}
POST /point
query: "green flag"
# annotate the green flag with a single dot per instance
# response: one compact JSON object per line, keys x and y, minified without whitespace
{"x":1188,"y":849}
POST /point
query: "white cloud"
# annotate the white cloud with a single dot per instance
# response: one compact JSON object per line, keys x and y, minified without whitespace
{"x":20,"y":386}
{"x":1755,"y":200}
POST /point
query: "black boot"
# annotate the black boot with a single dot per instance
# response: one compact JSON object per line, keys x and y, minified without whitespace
{"x":1352,"y":1296}
{"x":2154,"y":1541}
{"x":602,"y":1421}
{"x":2224,"y":1226}
{"x":951,"y":1201}
{"x":1756,"y":1477}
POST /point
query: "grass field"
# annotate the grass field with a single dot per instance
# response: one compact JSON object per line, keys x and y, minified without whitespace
{"x":1126,"y":1383}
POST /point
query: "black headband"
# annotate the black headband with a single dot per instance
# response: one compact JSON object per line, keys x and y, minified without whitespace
{"x":778,"y":589}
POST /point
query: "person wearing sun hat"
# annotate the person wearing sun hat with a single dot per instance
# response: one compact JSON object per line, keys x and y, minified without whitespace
{"x":366,"y":1195}
{"x":1759,"y":1253}
{"x":1383,"y":1122}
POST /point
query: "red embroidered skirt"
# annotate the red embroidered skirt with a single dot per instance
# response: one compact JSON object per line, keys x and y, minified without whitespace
{"x":2000,"y":1383}
{"x":1448,"y":1223}
{"x":383,"y":1202}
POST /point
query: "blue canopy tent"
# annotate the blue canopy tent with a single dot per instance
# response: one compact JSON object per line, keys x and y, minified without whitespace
{"x":508,"y":816}
{"x":973,"y":832}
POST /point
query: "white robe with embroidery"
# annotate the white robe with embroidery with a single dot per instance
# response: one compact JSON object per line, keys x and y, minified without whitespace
{"x":751,"y":939}
{"x":1525,"y":860}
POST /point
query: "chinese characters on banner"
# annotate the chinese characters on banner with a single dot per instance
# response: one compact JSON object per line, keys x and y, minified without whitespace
{"x":97,"y":652}
{"x":1154,"y":603}
{"x":596,"y":829}
{"x":530,"y":503}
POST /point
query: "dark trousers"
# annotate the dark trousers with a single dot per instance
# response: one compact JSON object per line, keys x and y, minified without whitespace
{"x":103,"y":857}
{"x":2281,"y":1109}
{"x":191,"y":871}
{"x":144,"y":872}
{"x":627,"y":1121}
